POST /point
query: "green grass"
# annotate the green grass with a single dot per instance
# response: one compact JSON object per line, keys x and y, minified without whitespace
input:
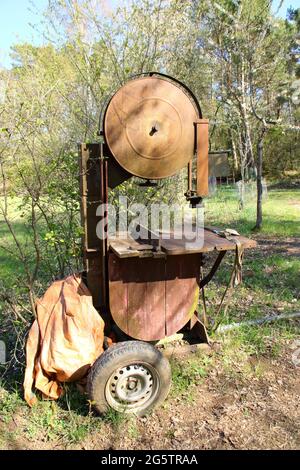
{"x":48,"y":422}
{"x":115,"y":418}
{"x":270,"y":284}
{"x":188,"y":373}
{"x":263,"y":340}
{"x":271,"y":280}
{"x":281,"y":212}
{"x":11,"y":267}
{"x":248,"y":352}
{"x":68,"y":421}
{"x":10,"y":403}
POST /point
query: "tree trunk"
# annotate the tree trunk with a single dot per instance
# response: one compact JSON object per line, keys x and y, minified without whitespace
{"x":259,"y":183}
{"x":234,"y":152}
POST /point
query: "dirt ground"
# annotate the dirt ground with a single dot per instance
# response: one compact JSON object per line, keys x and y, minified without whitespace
{"x":230,"y":414}
{"x":224,"y":412}
{"x":290,"y":246}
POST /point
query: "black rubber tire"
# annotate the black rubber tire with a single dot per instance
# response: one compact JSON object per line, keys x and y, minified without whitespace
{"x":122,"y":355}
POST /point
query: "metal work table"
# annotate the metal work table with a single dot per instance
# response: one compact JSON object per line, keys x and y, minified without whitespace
{"x":124,"y":246}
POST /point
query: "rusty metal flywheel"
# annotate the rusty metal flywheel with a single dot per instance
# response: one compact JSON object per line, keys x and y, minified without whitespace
{"x":149,"y":127}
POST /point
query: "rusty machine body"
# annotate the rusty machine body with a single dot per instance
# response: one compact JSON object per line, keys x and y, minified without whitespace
{"x":147,"y":289}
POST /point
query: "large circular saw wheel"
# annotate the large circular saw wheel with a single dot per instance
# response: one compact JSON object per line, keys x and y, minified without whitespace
{"x":149,"y":127}
{"x":130,"y":377}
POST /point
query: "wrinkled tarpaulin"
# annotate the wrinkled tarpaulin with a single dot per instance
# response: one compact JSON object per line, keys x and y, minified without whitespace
{"x":64,"y":340}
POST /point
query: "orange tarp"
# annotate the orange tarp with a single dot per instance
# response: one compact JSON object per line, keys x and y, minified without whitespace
{"x":64,"y":340}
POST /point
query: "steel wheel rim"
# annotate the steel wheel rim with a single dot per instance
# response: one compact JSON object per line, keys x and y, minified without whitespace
{"x":132,"y":387}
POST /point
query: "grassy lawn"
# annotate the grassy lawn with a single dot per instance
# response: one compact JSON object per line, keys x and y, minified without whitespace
{"x":271,"y":286}
{"x":281,"y":211}
{"x":10,"y":265}
{"x":271,"y":281}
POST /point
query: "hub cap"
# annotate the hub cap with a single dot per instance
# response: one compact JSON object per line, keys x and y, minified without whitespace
{"x":132,"y":387}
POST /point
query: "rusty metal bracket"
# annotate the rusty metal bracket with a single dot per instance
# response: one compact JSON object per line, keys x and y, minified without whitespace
{"x":213,"y":270}
{"x":198,"y":330}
